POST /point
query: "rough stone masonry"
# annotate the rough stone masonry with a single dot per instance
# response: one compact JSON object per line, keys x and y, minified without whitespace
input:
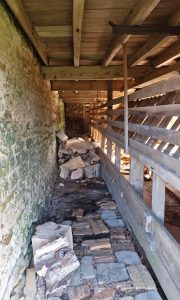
{"x":28,"y":117}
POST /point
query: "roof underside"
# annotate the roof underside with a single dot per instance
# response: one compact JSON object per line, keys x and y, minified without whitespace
{"x":68,"y":33}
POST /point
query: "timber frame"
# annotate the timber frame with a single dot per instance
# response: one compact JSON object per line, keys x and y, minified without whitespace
{"x":129,"y":89}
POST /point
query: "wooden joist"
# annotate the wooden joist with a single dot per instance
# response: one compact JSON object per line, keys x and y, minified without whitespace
{"x":78,"y":12}
{"x":78,"y":101}
{"x":168,"y":55}
{"x":153,"y":43}
{"x":92,"y":72}
{"x":140,"y":12}
{"x":19,"y":12}
{"x":163,"y":134}
{"x":85,"y":85}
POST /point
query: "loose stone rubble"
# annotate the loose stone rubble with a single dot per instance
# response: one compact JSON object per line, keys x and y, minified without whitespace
{"x":77,"y":158}
{"x":54,"y":259}
{"x":110,"y":267}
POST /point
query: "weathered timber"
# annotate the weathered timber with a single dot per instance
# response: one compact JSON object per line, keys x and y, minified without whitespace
{"x":125,"y":98}
{"x":166,"y":56}
{"x":92,"y":72}
{"x":78,"y":12}
{"x":85,"y":85}
{"x":163,"y":134}
{"x":149,"y":158}
{"x":168,"y":110}
{"x":158,"y":197}
{"x":165,"y":260}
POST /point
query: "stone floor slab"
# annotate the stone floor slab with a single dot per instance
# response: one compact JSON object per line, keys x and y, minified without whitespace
{"x":128,"y":257}
{"x":76,"y":278}
{"x":111,"y":272}
{"x":86,"y":267}
{"x":141,"y":278}
{"x":108,"y":215}
{"x":114,"y":222}
{"x":152,"y":295}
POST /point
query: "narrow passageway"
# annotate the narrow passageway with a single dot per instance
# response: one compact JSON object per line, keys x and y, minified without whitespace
{"x":110,"y":266}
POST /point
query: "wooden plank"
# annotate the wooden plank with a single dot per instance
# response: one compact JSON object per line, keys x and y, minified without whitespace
{"x":78,"y":12}
{"x":19,"y":12}
{"x":136,"y":176}
{"x":163,"y":134}
{"x":92,"y":72}
{"x":54,"y":31}
{"x":158,"y":75}
{"x":109,"y":148}
{"x":168,"y":110}
{"x":85,"y":85}
{"x":139,"y":13}
{"x":153,"y":43}
{"x":165,"y":259}
{"x":147,"y":157}
{"x":158,"y":197}
{"x":162,"y":87}
{"x":168,"y":55}
{"x":117,"y":157}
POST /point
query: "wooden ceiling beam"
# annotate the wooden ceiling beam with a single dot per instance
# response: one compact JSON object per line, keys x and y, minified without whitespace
{"x":153,"y":43}
{"x":78,"y":101}
{"x":140,"y":12}
{"x":85,"y":85}
{"x":17,"y":8}
{"x":92,"y":72}
{"x":166,"y":56}
{"x":78,"y":12}
{"x":82,"y":94}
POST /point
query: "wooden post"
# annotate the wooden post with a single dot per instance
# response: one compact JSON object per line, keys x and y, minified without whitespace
{"x":117,"y":157}
{"x":109,"y":149}
{"x":102,"y":142}
{"x":136,"y":176}
{"x":125,"y":98}
{"x":158,"y":197}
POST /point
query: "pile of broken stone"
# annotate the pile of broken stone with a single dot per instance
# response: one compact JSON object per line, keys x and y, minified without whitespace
{"x":54,"y":259}
{"x":77,"y":158}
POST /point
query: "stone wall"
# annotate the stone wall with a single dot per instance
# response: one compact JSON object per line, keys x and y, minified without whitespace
{"x":28,"y":119}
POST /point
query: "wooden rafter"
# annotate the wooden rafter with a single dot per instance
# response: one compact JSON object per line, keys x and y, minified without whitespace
{"x":168,"y":55}
{"x":140,"y":12}
{"x":153,"y":43}
{"x":19,"y":12}
{"x":92,"y":72}
{"x":85,"y":85}
{"x":78,"y":12}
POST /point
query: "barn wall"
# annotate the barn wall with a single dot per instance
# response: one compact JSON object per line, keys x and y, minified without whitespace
{"x":28,"y":119}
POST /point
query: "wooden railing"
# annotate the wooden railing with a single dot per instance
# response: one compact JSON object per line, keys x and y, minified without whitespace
{"x":154,"y":142}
